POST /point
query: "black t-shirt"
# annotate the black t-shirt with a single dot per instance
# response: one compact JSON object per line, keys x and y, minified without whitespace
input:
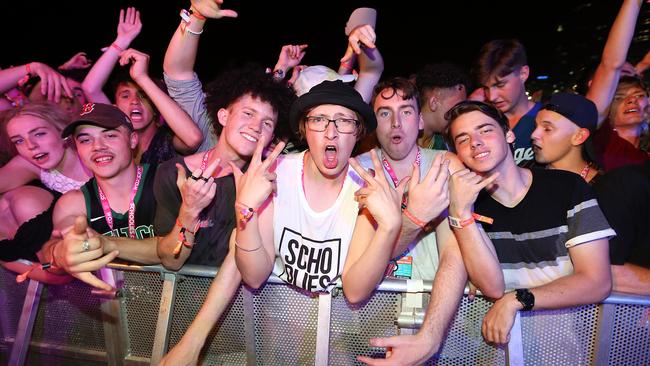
{"x":161,"y":147}
{"x":145,"y":208}
{"x":624,"y":195}
{"x":211,"y":242}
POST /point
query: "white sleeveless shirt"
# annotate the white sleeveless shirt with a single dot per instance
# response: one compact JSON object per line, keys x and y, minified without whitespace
{"x":56,"y":181}
{"x":311,"y":247}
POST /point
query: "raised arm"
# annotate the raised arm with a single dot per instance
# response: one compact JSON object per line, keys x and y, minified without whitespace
{"x":181,"y":52}
{"x":375,"y":232}
{"x":371,"y":64}
{"x":479,"y":255}
{"x":187,"y":136}
{"x":603,"y":85}
{"x":128,"y":27}
{"x":290,"y":57}
{"x":52,"y":83}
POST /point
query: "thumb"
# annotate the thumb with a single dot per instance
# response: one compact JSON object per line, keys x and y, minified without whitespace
{"x":349,"y":53}
{"x":487,"y":181}
{"x":415,"y":176}
{"x":80,"y":225}
{"x":181,"y":177}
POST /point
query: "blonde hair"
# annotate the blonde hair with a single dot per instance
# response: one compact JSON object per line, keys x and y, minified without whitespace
{"x":43,"y":110}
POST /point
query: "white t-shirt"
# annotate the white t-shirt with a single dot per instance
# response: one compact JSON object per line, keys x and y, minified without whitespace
{"x":311,"y":247}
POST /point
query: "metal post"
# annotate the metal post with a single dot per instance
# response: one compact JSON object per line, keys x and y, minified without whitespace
{"x":249,"y":325}
{"x":114,"y":319}
{"x":323,"y":329}
{"x":26,"y":323}
{"x":604,"y":330}
{"x":167,"y":298}
{"x":515,"y":349}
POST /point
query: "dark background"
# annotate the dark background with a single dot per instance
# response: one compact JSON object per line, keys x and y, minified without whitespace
{"x":561,"y":37}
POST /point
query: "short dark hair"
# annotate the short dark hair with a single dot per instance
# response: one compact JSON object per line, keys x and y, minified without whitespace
{"x":403,"y":85}
{"x":440,"y":75}
{"x":471,"y":106}
{"x":251,"y":79}
{"x":499,"y":57}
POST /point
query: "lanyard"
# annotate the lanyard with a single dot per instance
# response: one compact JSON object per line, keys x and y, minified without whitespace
{"x":393,"y":176}
{"x":107,"y":208}
{"x":204,"y":161}
{"x":585,"y":171}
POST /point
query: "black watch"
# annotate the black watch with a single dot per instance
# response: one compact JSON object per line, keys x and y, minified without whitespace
{"x":526,"y":298}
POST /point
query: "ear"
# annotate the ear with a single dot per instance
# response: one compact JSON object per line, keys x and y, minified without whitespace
{"x":524,"y":72}
{"x":420,"y":122}
{"x":580,"y":136}
{"x":432,"y":102}
{"x":510,"y":137}
{"x":133,"y":139}
{"x":222,"y":115}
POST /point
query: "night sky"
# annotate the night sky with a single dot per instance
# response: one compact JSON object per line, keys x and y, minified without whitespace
{"x":409,"y":35}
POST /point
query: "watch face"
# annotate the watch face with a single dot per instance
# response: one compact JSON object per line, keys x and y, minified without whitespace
{"x":454,"y":222}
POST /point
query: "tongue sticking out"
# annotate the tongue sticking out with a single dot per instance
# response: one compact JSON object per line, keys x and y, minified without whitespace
{"x":330,"y":159}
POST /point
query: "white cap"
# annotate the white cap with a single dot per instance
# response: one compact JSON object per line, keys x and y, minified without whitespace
{"x":313,"y":75}
{"x":360,"y":17}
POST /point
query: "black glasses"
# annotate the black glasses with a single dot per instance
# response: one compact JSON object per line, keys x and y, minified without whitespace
{"x":320,"y":123}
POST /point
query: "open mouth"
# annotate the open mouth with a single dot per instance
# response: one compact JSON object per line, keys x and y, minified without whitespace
{"x":103,"y":159}
{"x":40,"y":158}
{"x":396,"y":139}
{"x":631,"y":110}
{"x":136,"y":115}
{"x":331,"y":157}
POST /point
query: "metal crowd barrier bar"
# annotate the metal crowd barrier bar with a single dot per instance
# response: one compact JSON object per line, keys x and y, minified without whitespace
{"x":279,"y":325}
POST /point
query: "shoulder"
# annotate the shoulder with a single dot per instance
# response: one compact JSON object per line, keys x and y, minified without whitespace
{"x":69,"y":206}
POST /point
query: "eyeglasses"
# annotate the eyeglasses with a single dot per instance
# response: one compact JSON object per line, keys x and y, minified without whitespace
{"x":320,"y":123}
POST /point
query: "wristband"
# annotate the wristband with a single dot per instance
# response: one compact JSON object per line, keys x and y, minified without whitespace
{"x":182,"y":238}
{"x":196,"y":14}
{"x":118,"y":48}
{"x":245,"y":212}
{"x":414,"y":219}
{"x":458,"y":223}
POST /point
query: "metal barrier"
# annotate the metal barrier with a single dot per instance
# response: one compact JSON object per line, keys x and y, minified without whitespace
{"x":278,"y":325}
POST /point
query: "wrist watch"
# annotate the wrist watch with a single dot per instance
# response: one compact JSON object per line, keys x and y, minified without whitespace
{"x":458,"y":223}
{"x":526,"y":298}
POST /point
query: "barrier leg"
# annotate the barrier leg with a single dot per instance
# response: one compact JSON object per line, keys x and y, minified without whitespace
{"x":515,"y":349}
{"x":26,"y":324}
{"x":167,"y":297}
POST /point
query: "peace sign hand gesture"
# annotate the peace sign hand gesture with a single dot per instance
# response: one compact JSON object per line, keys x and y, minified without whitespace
{"x":254,"y":187}
{"x":383,"y":202}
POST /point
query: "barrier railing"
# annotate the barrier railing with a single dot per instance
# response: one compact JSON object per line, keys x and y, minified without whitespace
{"x":278,"y":325}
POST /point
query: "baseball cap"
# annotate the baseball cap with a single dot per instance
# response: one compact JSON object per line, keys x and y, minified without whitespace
{"x":332,"y":92}
{"x":98,"y":114}
{"x":314,"y":75}
{"x":579,"y":110}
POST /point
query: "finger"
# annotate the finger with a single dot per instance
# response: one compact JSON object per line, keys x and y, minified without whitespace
{"x":121,"y":20}
{"x":180,"y":177}
{"x":50,"y":87}
{"x":57,"y":87}
{"x":377,"y":166}
{"x":360,"y":170}
{"x":213,"y":191}
{"x":80,"y":225}
{"x":487,"y":181}
{"x":73,"y":261}
{"x":372,"y":361}
{"x":211,"y":168}
{"x":137,"y":18}
{"x":259,"y":150}
{"x":349,"y":52}
{"x":402,"y":186}
{"x":273,"y":155}
{"x":203,"y":191}
{"x":302,"y":47}
{"x":43,"y":84}
{"x":354,"y":43}
{"x":97,"y":263}
{"x":415,"y":177}
{"x":93,"y":281}
{"x":130,"y":15}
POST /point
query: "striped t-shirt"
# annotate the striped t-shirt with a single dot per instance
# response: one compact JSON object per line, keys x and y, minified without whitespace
{"x":532,"y":239}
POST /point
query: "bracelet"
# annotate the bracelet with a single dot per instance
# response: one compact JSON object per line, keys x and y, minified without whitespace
{"x":196,"y":13}
{"x":414,"y":219}
{"x":28,"y":75}
{"x":186,"y":21}
{"x":193,"y":32}
{"x":347,"y":65}
{"x":244,"y":249}
{"x":182,"y":238}
{"x":245,"y":212}
{"x":118,"y":48}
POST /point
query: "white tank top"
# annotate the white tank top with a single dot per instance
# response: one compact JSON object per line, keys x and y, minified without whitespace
{"x":55,"y":180}
{"x":311,"y":247}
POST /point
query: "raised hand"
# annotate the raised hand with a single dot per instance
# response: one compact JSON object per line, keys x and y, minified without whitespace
{"x":429,"y":197}
{"x":212,"y":9}
{"x":197,"y":190}
{"x":362,"y":36}
{"x":254,"y":187}
{"x":128,"y":27}
{"x":52,"y":83}
{"x":378,"y":195}
{"x":463,"y":190}
{"x":291,"y":56}
{"x":79,"y":61}
{"x":82,"y":251}
{"x":139,"y":63}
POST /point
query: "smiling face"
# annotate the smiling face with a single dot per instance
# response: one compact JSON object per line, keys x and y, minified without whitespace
{"x":479,"y":141}
{"x":629,"y":106}
{"x":131,"y":100}
{"x":36,"y":140}
{"x":398,"y":123}
{"x":244,"y":122}
{"x":330,"y":149}
{"x":106,"y":152}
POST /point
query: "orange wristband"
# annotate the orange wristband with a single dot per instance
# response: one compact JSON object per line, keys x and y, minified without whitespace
{"x":414,"y":219}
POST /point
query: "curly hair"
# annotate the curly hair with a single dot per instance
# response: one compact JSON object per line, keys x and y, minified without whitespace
{"x":250,"y":79}
{"x":440,"y":75}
